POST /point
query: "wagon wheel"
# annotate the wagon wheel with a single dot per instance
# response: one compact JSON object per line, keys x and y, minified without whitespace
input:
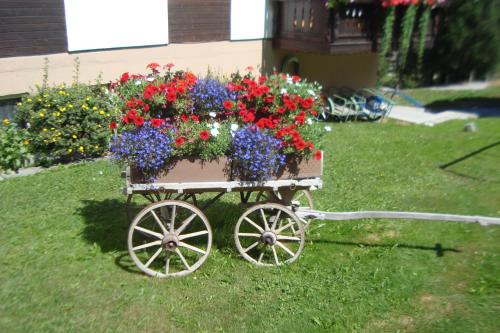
{"x":153,"y":197}
{"x":301,"y":198}
{"x":269,"y":234}
{"x":169,"y":238}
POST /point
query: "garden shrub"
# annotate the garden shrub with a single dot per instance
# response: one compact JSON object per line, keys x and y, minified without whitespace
{"x":66,"y":122}
{"x":13,"y":147}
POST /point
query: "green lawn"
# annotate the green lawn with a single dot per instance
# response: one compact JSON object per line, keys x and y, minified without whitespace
{"x":456,"y":99}
{"x":65,"y":267}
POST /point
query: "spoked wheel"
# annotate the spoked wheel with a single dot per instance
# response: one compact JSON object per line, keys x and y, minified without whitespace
{"x":269,"y":235}
{"x":136,"y":202}
{"x":301,"y":199}
{"x":169,"y":238}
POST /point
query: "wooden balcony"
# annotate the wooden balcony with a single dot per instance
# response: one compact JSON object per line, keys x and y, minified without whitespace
{"x":308,"y":26}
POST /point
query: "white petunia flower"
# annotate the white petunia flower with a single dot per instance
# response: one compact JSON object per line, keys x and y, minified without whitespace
{"x":214,"y":131}
{"x":311,"y":92}
{"x":212,"y":114}
{"x":216,"y":125}
{"x":328,"y":128}
{"x":234,"y":127}
{"x":309,"y":121}
{"x":137,"y":82}
{"x":283,"y":91}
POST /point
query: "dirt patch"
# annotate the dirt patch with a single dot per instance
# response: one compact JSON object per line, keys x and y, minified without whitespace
{"x":391,"y":234}
{"x":372,"y":238}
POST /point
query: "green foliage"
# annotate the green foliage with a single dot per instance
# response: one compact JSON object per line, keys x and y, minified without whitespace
{"x":385,"y":44}
{"x":407,"y":27}
{"x":423,"y":27}
{"x":66,"y":123}
{"x":13,"y":147}
{"x":216,"y":145}
{"x":468,"y":41}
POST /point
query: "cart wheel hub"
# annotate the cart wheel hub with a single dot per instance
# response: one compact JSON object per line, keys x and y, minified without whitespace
{"x":170,"y":242}
{"x":268,"y":238}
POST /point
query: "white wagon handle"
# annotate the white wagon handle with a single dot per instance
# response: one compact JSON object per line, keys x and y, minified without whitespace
{"x":340,"y":216}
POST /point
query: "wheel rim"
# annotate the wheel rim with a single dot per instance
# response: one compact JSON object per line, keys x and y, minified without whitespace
{"x":169,"y":238}
{"x":302,"y":199}
{"x":269,"y":235}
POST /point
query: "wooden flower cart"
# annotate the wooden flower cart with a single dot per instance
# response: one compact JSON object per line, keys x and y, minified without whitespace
{"x":173,"y":237}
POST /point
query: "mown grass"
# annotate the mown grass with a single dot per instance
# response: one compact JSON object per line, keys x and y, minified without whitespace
{"x":456,"y":99}
{"x":65,"y":266}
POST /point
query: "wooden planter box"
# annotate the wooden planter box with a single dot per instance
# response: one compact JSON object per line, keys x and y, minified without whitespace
{"x":219,"y":170}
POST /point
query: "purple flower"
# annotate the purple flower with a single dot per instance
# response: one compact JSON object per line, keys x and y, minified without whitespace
{"x":145,"y":148}
{"x":208,"y":95}
{"x":256,"y":154}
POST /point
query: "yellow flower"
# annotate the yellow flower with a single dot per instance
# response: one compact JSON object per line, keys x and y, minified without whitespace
{"x":85,"y":107}
{"x":45,"y":130}
{"x":74,"y":136}
{"x":26,"y":142}
{"x":99,"y":125}
{"x":70,"y":150}
{"x":29,"y":100}
{"x":81,"y":149}
{"x":96,"y":146}
{"x":58,"y":114}
{"x":19,"y":103}
{"x":6,"y":121}
{"x":94,"y":108}
{"x":41,"y":114}
{"x":52,"y":129}
{"x":39,"y":99}
{"x":45,"y":95}
{"x":107,"y":114}
{"x":45,"y":141}
{"x":62,"y":109}
{"x":101,"y":112}
{"x":70,"y":106}
{"x":87,"y":99}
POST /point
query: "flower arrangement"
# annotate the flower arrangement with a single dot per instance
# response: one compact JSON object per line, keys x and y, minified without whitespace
{"x":254,"y":120}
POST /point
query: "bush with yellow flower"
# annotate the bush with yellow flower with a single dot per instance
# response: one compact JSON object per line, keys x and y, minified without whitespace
{"x":66,"y":122}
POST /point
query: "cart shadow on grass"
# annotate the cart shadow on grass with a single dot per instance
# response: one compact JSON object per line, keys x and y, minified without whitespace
{"x":107,"y":226}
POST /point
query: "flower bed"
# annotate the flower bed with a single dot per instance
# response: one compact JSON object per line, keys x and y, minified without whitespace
{"x":175,"y":126}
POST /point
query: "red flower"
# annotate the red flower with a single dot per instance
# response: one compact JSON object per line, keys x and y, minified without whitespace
{"x":126,"y":119}
{"x":171,"y":97}
{"x":300,"y":145}
{"x":146,"y":107}
{"x":132,"y":114}
{"x":132,"y":103}
{"x":269,"y":99}
{"x":314,"y":112}
{"x":124,"y":78}
{"x":204,"y":135}
{"x":195,"y":118}
{"x":307,"y":102}
{"x":318,"y":155}
{"x":180,"y":141}
{"x":168,"y":66}
{"x":112,"y":125}
{"x":156,"y":122}
{"x":184,"y":117}
{"x":228,"y":105}
{"x":148,"y":93}
{"x":153,"y":66}
{"x":248,"y":117}
{"x":295,"y":78}
{"x":139,"y":121}
{"x":281,"y":110}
